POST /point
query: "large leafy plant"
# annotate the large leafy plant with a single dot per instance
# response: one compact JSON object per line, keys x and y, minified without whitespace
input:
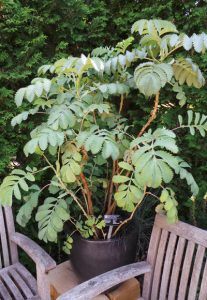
{"x":98,"y":165}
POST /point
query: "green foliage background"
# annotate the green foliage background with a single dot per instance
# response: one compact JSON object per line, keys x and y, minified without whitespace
{"x":34,"y":32}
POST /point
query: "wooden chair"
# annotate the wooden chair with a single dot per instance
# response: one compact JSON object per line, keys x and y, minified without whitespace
{"x":175,"y":269}
{"x":16,"y":283}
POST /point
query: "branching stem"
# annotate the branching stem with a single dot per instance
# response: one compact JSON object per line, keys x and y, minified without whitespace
{"x":88,"y":193}
{"x":152,"y":117}
{"x":131,"y":216}
{"x":65,"y":188}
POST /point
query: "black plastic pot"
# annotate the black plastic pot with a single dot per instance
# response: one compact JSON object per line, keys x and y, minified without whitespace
{"x":91,"y":258}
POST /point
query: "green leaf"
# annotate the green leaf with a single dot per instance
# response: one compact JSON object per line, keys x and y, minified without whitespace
{"x":126,"y":166}
{"x":150,"y":77}
{"x":19,"y":96}
{"x":190,"y":116}
{"x":120,"y":179}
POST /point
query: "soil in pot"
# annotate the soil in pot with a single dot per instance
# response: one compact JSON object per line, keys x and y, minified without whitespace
{"x":91,"y":258}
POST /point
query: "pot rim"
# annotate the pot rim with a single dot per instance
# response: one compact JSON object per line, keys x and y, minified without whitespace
{"x":115,"y":239}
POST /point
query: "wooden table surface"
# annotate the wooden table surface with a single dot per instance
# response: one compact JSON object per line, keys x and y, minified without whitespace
{"x":63,"y":278}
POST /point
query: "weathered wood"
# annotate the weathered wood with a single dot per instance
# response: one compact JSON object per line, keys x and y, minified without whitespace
{"x":26,"y":291}
{"x":14,"y":285}
{"x":15,"y":281}
{"x":129,"y":289}
{"x":4,"y":242}
{"x":40,"y":257}
{"x":151,"y":259}
{"x":11,"y":286}
{"x":27,"y":277}
{"x":167,"y":266}
{"x":4,"y":292}
{"x":186,"y":270}
{"x":196,"y":273}
{"x":176,"y":268}
{"x":184,"y":230}
{"x":43,"y":286}
{"x":158,"y":265}
{"x":63,"y":278}
{"x":10,"y":230}
{"x":203,"y":288}
{"x":170,"y":258}
{"x":101,"y":283}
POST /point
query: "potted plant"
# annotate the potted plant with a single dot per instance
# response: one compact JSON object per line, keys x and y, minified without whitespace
{"x":98,"y":167}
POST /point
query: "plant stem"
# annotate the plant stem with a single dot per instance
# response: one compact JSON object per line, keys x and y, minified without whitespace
{"x":148,"y":193}
{"x":111,"y":209}
{"x":44,"y":187}
{"x":176,"y":48}
{"x":65,"y":188}
{"x":88,"y":193}
{"x":153,"y":115}
{"x":121,"y":103}
{"x":131,"y":216}
{"x":111,"y":186}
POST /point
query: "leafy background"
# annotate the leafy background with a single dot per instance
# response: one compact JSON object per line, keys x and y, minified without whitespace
{"x":37,"y":32}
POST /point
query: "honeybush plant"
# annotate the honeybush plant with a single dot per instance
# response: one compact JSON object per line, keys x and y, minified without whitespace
{"x":97,"y":164}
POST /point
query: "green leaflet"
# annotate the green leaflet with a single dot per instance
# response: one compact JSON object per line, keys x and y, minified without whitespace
{"x":121,"y":61}
{"x":38,"y":86}
{"x":87,"y":228}
{"x":31,"y":202}
{"x":61,"y":117}
{"x":51,"y":217}
{"x":68,"y":245}
{"x":42,"y":139}
{"x":168,"y":205}
{"x":154,"y":27}
{"x":69,"y":171}
{"x":184,"y":174}
{"x":99,"y":141}
{"x":23,"y":116}
{"x":114,"y":88}
{"x":185,"y":71}
{"x":13,"y":184}
{"x":196,"y":41}
{"x":152,"y":165}
{"x":127,"y":196}
{"x":196,"y":121}
{"x":150,"y":77}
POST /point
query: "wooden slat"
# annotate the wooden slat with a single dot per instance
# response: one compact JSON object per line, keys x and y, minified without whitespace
{"x":21,"y":283}
{"x":10,"y":286}
{"x":176,"y":268}
{"x":158,"y":265}
{"x":4,"y":293}
{"x":11,"y":230}
{"x":203,"y":289}
{"x":184,"y":230}
{"x":4,"y":243}
{"x":28,"y":278}
{"x":167,"y":266}
{"x":151,"y":258}
{"x":186,"y":270}
{"x":41,"y":258}
{"x":196,"y":272}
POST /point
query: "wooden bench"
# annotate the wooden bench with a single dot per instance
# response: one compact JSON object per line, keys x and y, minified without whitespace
{"x":175,"y":269}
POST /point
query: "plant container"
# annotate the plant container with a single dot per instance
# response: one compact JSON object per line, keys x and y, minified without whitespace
{"x":94,"y":257}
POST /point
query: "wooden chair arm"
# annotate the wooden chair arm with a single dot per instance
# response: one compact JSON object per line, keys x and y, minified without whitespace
{"x":103,"y":282}
{"x":43,"y":260}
